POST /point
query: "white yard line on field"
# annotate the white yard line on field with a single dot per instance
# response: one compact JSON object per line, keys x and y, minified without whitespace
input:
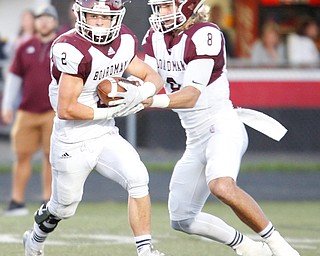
{"x":93,"y":239}
{"x":71,"y":239}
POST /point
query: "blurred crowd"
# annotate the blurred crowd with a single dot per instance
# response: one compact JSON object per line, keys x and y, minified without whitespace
{"x":297,"y":48}
{"x":275,"y":44}
{"x":272,"y":47}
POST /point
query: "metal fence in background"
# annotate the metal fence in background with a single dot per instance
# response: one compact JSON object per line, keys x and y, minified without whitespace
{"x":292,"y":96}
{"x":161,"y":129}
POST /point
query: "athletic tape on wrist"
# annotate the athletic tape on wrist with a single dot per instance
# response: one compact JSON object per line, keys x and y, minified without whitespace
{"x":147,"y":90}
{"x":100,"y":113}
{"x":160,"y":101}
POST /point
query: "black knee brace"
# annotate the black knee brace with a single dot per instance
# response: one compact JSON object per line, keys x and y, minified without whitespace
{"x":45,"y":220}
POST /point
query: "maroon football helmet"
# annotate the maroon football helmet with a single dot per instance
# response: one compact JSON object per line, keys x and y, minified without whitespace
{"x":99,"y":35}
{"x":182,"y":11}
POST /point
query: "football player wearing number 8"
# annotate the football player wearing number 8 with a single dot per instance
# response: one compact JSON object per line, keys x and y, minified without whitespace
{"x":84,"y":136}
{"x":189,"y":54}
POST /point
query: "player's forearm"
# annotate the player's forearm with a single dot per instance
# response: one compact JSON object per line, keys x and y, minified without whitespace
{"x":76,"y":111}
{"x":185,"y":98}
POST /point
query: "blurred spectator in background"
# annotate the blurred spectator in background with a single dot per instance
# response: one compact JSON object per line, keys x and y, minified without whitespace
{"x":26,"y":31}
{"x":29,"y":75}
{"x":269,"y":49}
{"x":3,"y":42}
{"x":302,"y":47}
{"x":3,"y":56}
{"x":216,"y":17}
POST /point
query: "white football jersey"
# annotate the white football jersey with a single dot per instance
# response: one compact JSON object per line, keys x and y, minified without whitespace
{"x":74,"y":55}
{"x":181,"y":61}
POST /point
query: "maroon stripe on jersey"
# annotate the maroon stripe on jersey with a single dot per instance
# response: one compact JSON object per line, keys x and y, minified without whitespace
{"x":125,"y":30}
{"x":219,"y":62}
{"x":84,"y":45}
{"x":147,"y":45}
{"x":190,"y":53}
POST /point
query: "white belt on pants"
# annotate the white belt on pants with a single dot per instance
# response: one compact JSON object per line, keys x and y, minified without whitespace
{"x":262,"y":123}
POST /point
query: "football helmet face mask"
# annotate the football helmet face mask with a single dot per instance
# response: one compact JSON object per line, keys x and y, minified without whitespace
{"x":99,"y":35}
{"x":182,"y":10}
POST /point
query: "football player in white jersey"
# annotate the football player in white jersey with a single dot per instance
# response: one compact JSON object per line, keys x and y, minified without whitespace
{"x":84,"y":135}
{"x":189,"y":54}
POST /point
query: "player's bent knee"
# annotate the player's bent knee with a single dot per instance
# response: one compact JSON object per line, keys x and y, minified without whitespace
{"x":62,"y":211}
{"x":182,"y":225}
{"x":46,"y":221}
{"x":223,"y":188}
{"x":139,"y":191}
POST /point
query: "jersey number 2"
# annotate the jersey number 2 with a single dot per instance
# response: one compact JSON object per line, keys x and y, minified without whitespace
{"x":63,"y":58}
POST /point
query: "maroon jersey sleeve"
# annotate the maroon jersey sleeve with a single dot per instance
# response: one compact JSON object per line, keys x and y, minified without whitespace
{"x":64,"y":57}
{"x":147,"y":43}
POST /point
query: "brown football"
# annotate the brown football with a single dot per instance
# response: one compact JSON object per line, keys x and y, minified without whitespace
{"x":112,"y":84}
{"x":106,"y":86}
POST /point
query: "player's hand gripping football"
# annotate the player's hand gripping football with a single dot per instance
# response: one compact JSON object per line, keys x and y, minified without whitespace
{"x":133,"y":94}
{"x":131,"y":97}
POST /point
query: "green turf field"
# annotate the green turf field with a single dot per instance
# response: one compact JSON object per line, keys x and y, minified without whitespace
{"x":101,"y":229}
{"x":266,"y":166}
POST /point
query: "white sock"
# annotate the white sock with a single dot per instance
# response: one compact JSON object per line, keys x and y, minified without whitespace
{"x":143,"y":243}
{"x":38,"y":237}
{"x":211,"y":227}
{"x":267,"y":232}
{"x":275,"y":237}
